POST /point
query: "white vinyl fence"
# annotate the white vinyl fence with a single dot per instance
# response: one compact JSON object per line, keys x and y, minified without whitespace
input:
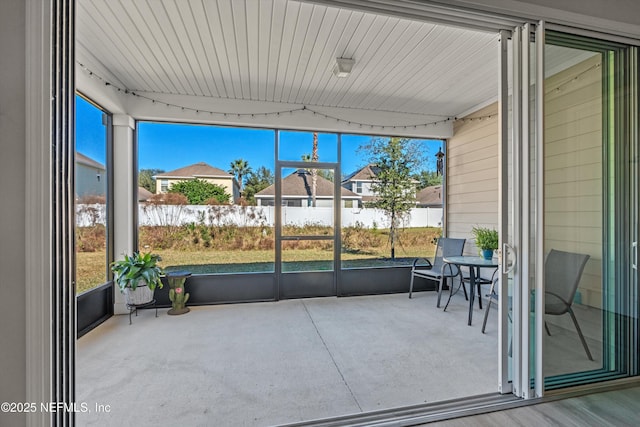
{"x":87,"y":215}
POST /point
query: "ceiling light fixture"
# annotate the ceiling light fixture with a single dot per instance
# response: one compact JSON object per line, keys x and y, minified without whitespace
{"x":343,"y":67}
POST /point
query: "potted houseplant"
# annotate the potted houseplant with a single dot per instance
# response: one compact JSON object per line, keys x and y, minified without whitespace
{"x":486,"y":240}
{"x":137,"y":277}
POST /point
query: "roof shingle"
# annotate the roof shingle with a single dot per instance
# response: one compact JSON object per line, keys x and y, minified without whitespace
{"x":197,"y":170}
{"x":298,"y":184}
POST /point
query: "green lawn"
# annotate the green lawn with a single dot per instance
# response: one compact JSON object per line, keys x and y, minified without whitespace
{"x":91,"y":265}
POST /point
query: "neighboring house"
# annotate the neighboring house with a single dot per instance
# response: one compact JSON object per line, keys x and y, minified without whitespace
{"x":429,"y":197}
{"x":143,"y":194}
{"x":296,"y":192}
{"x":202,"y":171}
{"x":91,"y":177}
{"x":360,"y":182}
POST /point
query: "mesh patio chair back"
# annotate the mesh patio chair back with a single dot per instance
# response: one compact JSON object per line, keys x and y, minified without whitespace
{"x":447,"y":247}
{"x":434,"y":270}
{"x":563,"y":271}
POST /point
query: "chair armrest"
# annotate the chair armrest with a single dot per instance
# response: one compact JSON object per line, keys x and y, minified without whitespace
{"x":451,"y":267}
{"x":429,"y":266}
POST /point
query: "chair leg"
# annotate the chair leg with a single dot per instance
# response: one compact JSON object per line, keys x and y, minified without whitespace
{"x":442,"y":279}
{"x":486,"y":315}
{"x":547,"y":328}
{"x":411,"y":285}
{"x":464,"y":288}
{"x":584,"y":343}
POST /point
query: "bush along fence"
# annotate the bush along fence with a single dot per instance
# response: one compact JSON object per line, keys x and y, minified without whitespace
{"x":258,"y":216}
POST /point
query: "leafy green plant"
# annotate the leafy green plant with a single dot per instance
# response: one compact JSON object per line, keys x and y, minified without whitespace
{"x":486,"y":238}
{"x":139,"y":266}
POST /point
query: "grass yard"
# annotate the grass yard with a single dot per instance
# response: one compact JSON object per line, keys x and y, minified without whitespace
{"x":363,"y":252}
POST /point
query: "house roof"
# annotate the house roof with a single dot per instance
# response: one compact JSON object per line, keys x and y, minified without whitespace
{"x":298,"y":184}
{"x":430,"y":195}
{"x":88,"y":161}
{"x":366,"y":173}
{"x":144,"y":194}
{"x":197,"y":170}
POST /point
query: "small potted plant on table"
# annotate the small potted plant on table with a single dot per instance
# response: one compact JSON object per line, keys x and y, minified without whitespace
{"x":137,"y":277}
{"x":486,"y":240}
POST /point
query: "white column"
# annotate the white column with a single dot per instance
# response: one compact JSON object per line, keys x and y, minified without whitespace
{"x":123,"y":187}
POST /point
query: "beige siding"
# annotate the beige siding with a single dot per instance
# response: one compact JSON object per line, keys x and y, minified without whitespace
{"x":573,"y":169}
{"x":472,"y":175}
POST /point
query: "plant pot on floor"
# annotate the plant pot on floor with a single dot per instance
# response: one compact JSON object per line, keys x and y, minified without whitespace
{"x":139,"y":296}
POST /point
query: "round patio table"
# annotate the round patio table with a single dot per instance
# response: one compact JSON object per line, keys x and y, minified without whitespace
{"x":475,"y":263}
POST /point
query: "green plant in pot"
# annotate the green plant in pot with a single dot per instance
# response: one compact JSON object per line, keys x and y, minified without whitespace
{"x":138,"y":276}
{"x":486,"y":240}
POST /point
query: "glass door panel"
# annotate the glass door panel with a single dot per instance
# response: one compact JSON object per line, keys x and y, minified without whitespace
{"x":307,"y":201}
{"x":588,"y":240}
{"x":307,"y":255}
{"x":306,"y":232}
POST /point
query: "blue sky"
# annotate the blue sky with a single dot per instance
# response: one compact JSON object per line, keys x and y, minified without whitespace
{"x":169,"y":146}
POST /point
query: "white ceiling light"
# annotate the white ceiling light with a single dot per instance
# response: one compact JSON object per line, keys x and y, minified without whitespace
{"x":343,"y":67}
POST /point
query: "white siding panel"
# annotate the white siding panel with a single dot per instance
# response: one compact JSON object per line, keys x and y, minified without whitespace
{"x":472,"y":175}
{"x":573,"y":169}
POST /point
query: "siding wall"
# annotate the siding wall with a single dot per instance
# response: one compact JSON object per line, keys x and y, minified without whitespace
{"x":573,"y":171}
{"x":472,"y":175}
{"x":87,"y":182}
{"x":13,"y":264}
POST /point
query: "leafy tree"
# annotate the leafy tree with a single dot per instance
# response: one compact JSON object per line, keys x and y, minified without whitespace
{"x":396,"y":159}
{"x":198,"y":191}
{"x":257,"y":181}
{"x":428,"y":179}
{"x":240,"y":168}
{"x":146,"y":178}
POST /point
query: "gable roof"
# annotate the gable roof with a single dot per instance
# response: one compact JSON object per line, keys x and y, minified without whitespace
{"x":196,"y":170}
{"x":144,"y":194}
{"x":366,"y":173}
{"x":88,"y":161}
{"x":298,"y":184}
{"x":430,"y":196}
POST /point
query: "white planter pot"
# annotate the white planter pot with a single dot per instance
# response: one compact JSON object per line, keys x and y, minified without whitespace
{"x":141,"y":295}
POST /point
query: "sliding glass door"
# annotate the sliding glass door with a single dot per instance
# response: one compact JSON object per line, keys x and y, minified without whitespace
{"x":589,"y":167}
{"x":571,"y":217}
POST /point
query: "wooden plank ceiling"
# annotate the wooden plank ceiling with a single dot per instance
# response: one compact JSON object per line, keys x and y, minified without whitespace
{"x":283,"y":51}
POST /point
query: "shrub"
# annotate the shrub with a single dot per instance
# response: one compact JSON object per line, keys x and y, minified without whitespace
{"x":198,"y":191}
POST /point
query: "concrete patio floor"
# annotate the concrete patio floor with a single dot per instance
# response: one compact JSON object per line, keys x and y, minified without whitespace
{"x":272,"y":363}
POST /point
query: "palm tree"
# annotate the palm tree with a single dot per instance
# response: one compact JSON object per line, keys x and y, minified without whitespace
{"x":240,"y":168}
{"x":314,"y":172}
